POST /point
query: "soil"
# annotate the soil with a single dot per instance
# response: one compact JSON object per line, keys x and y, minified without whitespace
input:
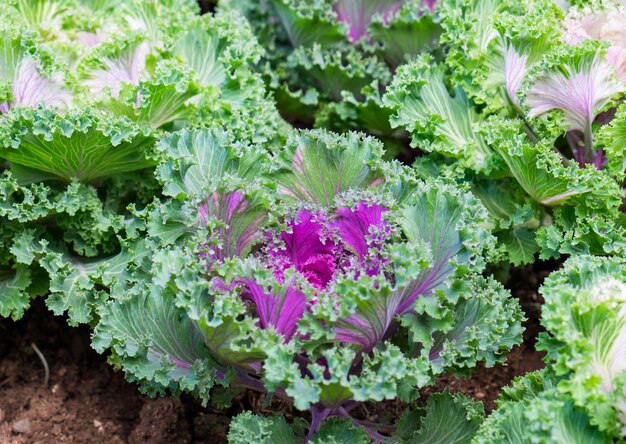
{"x":86,"y":401}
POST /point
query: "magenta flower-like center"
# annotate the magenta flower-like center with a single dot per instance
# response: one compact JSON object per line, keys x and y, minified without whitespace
{"x":319,"y":270}
{"x":318,"y":248}
{"x":309,"y":248}
{"x":315,"y":246}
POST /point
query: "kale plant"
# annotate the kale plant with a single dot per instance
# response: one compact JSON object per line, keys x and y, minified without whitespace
{"x":86,"y":91}
{"x":319,"y":274}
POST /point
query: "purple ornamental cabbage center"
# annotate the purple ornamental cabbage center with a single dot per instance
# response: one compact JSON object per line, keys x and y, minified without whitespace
{"x":318,"y":248}
{"x":319,"y":270}
{"x":309,"y":248}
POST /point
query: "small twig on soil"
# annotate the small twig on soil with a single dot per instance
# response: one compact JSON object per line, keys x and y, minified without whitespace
{"x":44,"y":362}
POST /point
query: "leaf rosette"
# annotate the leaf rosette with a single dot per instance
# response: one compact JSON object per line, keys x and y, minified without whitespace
{"x":580,"y":395}
{"x":140,"y":73}
{"x":321,"y":274}
{"x":87,"y":88}
{"x":585,"y":318}
{"x":327,"y":61}
{"x":515,"y":105}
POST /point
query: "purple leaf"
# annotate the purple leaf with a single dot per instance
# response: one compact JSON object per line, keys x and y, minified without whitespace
{"x":363,"y":229}
{"x":128,"y":68}
{"x":31,"y":89}
{"x":606,"y":26}
{"x":373,"y":317}
{"x":281,"y":308}
{"x":514,"y":70}
{"x":242,"y":221}
{"x":307,"y":249}
{"x":358,"y":14}
{"x":91,"y":39}
{"x":578,"y":29}
{"x":580,"y":89}
{"x":431,"y":220}
{"x":616,"y":56}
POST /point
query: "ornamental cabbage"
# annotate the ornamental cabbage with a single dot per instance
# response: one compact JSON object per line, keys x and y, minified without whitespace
{"x":86,"y":91}
{"x":583,"y":389}
{"x":320,"y":274}
{"x":329,"y":61}
{"x":603,"y":23}
{"x":585,"y":315}
{"x":150,"y":188}
{"x":136,"y":71}
{"x":533,"y":410}
{"x":532,"y":119}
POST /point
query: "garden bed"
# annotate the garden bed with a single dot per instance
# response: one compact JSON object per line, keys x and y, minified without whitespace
{"x":312,"y":221}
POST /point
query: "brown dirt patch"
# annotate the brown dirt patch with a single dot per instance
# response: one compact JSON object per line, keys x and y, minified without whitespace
{"x":86,"y":401}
